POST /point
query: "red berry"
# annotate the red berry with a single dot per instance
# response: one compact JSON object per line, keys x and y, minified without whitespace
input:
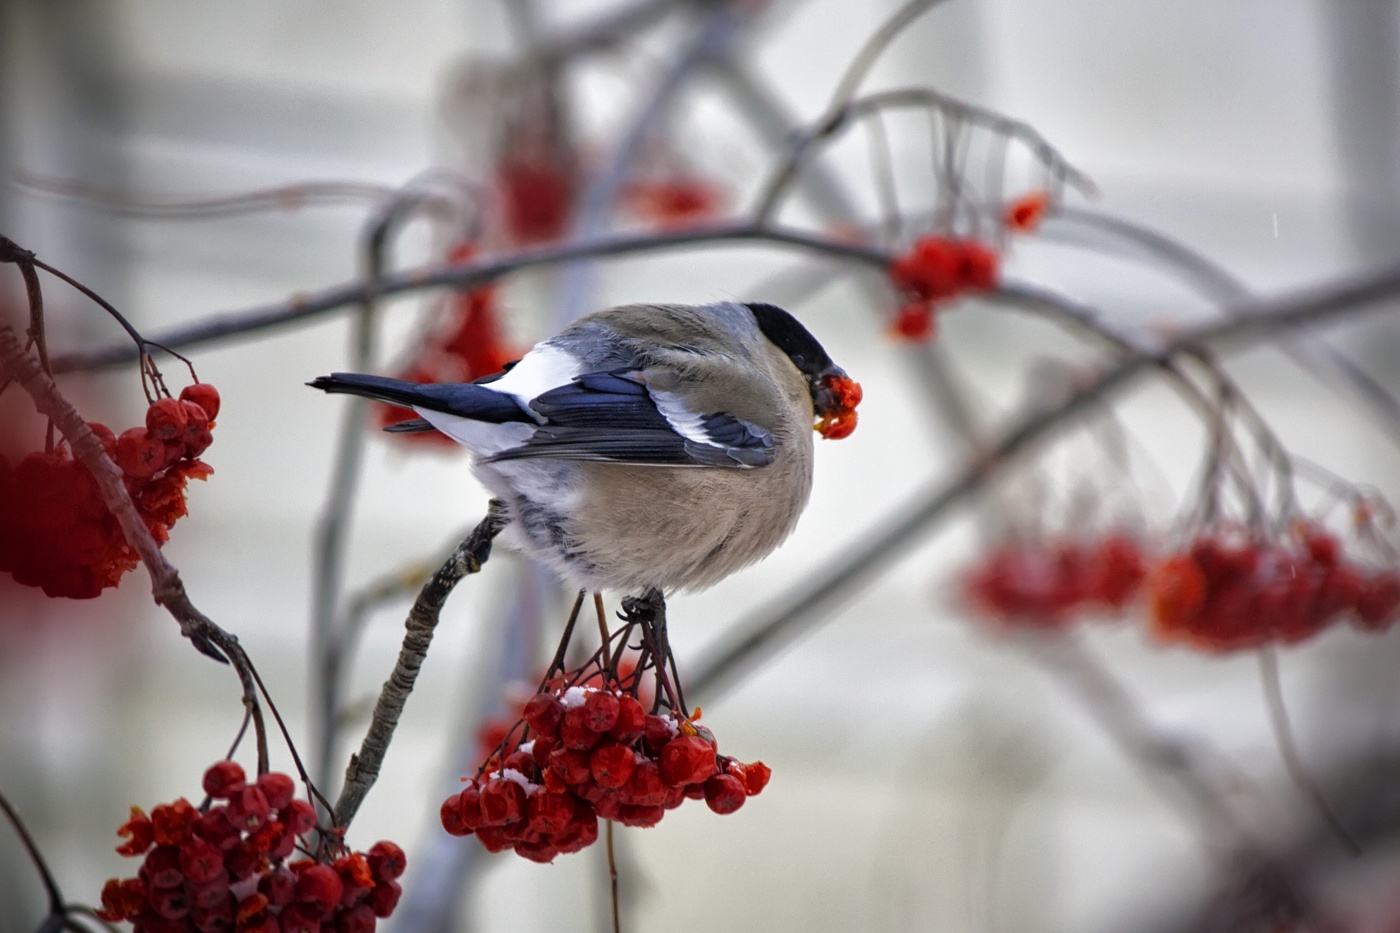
{"x":502,"y":802}
{"x":915,"y":321}
{"x":520,"y":761}
{"x":631,"y":720}
{"x":656,"y":732}
{"x":600,"y":711}
{"x":1322,"y":547}
{"x":646,"y":787}
{"x":224,"y":779}
{"x":686,"y":760}
{"x":575,"y":731}
{"x":612,"y":764}
{"x":105,"y":437}
{"x":1025,"y":214}
{"x":320,"y":886}
{"x":166,"y":419}
{"x":172,"y":824}
{"x":248,"y":809}
{"x":544,"y":713}
{"x":161,"y":869}
{"x":451,"y":818}
{"x":300,"y":918}
{"x":539,"y":752}
{"x":386,"y":860}
{"x":139,"y":454}
{"x":358,"y":919}
{"x":639,"y":815}
{"x":549,"y":813}
{"x":299,"y":816}
{"x":384,"y":898}
{"x":279,"y":886}
{"x":1177,"y":589}
{"x":1379,"y":600}
{"x":241,"y":861}
{"x":724,"y":793}
{"x":205,"y":396}
{"x":201,"y":860}
{"x":573,"y":766}
{"x":170,"y":903}
{"x":469,"y":807}
{"x":278,"y":788}
{"x":354,"y":871}
{"x":213,"y":895}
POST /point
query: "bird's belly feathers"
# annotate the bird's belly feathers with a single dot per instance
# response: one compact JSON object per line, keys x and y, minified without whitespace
{"x":607,"y":526}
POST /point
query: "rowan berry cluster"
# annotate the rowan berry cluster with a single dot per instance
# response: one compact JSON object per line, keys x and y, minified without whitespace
{"x":467,"y":345}
{"x":679,"y":198}
{"x":935,"y":270}
{"x":593,"y":753}
{"x":1046,"y":585}
{"x":224,"y":867}
{"x":537,"y":197}
{"x":56,"y":532}
{"x":1228,"y":594}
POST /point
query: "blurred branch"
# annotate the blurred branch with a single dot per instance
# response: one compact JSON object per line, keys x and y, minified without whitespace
{"x":289,"y":198}
{"x":468,"y":558}
{"x":307,"y":307}
{"x":1311,"y":352}
{"x":712,"y":37}
{"x":860,"y":562}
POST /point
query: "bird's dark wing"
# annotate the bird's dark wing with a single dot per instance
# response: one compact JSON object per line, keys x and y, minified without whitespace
{"x":615,"y":418}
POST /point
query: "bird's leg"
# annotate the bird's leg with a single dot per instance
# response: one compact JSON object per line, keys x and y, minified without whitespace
{"x":557,"y":664}
{"x":649,"y":610}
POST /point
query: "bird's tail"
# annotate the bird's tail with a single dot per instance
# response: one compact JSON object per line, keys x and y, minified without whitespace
{"x":466,"y":400}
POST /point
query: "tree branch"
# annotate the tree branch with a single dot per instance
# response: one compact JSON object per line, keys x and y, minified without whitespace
{"x":468,"y":558}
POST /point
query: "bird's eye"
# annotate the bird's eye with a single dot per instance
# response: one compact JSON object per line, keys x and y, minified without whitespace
{"x":799,"y":360}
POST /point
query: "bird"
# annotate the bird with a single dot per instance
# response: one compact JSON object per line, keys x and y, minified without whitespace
{"x":644,"y":447}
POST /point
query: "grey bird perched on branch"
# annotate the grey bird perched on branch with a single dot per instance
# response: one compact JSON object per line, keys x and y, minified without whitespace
{"x":647,"y":446}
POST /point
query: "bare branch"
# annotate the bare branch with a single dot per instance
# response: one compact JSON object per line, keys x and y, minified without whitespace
{"x":363,"y":769}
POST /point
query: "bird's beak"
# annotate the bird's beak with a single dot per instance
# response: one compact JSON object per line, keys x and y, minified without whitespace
{"x":835,"y":397}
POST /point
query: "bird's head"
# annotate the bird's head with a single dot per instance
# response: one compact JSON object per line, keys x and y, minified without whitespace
{"x":835,"y":395}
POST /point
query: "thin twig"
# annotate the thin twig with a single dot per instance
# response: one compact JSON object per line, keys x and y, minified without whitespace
{"x":612,"y":878}
{"x":32,"y":849}
{"x":468,"y":558}
{"x":1288,"y":748}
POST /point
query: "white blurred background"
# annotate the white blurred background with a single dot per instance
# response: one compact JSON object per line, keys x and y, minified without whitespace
{"x":927,"y":775}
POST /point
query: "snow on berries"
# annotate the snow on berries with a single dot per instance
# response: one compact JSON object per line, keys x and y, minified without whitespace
{"x":56,"y":532}
{"x":590,"y":753}
{"x":935,"y":270}
{"x":1231,"y":592}
{"x":226,"y":867}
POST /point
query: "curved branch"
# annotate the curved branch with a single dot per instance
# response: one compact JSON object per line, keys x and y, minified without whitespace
{"x":304,"y":308}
